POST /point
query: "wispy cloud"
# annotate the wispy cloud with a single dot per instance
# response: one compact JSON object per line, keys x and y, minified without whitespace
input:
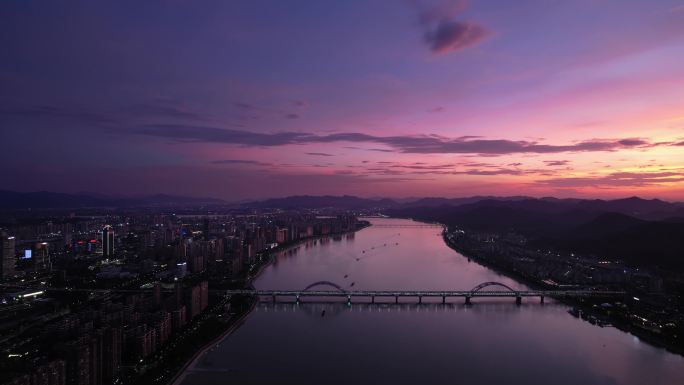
{"x":556,"y":162}
{"x":53,"y":111}
{"x":318,"y":154}
{"x":164,"y":110}
{"x":495,"y":171}
{"x":241,"y":162}
{"x":618,"y":179}
{"x":157,"y":110}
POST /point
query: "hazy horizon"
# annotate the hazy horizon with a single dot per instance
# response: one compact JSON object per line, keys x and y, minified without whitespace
{"x":371,"y":197}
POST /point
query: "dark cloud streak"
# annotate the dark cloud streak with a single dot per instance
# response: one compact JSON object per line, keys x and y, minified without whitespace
{"x":617,"y":179}
{"x":442,"y":33}
{"x":406,"y":144}
{"x":451,"y":36}
{"x":240,"y":161}
{"x":558,"y":162}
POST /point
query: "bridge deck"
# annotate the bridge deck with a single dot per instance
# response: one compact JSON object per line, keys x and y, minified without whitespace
{"x":427,"y":293}
{"x":426,"y":225}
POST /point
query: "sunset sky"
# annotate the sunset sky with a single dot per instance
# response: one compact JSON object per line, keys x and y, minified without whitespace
{"x":254,"y":99}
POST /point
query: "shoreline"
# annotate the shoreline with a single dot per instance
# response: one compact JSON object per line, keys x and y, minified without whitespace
{"x":192,"y":361}
{"x":627,"y":328}
{"x":182,"y":373}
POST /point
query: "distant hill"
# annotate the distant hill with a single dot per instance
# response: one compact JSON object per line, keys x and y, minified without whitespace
{"x":347,"y":202}
{"x":12,"y":200}
{"x":344,"y":202}
{"x":633,"y":206}
{"x":617,"y":236}
{"x":436,"y":202}
{"x":606,"y":224}
{"x":642,"y":232}
{"x":498,"y":211}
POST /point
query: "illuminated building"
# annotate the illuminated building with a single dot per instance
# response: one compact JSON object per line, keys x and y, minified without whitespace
{"x":7,"y":256}
{"x":108,"y":242}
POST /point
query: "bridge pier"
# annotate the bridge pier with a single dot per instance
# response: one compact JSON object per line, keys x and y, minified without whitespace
{"x":297,"y":299}
{"x":396,"y":299}
{"x":518,"y":300}
{"x":541,"y":299}
{"x":372,"y":299}
{"x":420,"y":299}
{"x":467,"y":300}
{"x":349,"y":300}
{"x":443,"y":299}
{"x":274,"y":299}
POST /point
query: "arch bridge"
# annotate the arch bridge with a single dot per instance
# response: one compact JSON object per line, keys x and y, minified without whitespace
{"x":313,"y":292}
{"x":410,"y":226}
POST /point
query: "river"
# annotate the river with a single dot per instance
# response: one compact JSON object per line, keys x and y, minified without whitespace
{"x":491,"y":342}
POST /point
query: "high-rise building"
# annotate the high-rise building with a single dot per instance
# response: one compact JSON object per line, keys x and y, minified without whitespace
{"x":108,"y":242}
{"x":204,"y":295}
{"x":7,"y":255}
{"x":281,"y":236}
{"x":194,"y":302}
{"x":111,"y":361}
{"x":41,"y":257}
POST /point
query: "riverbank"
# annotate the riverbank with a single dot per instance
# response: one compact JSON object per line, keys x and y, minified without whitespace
{"x":590,"y":308}
{"x":190,"y":364}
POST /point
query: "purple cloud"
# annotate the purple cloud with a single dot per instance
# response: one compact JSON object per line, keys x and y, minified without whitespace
{"x":240,"y":161}
{"x":562,"y":162}
{"x":444,"y":34}
{"x":52,"y":111}
{"x":163,"y":110}
{"x":617,"y":179}
{"x":634,"y":142}
{"x":496,"y":171}
{"x":451,"y":36}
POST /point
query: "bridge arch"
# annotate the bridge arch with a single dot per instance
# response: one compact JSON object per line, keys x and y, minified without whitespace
{"x":325,"y":283}
{"x":492,"y":283}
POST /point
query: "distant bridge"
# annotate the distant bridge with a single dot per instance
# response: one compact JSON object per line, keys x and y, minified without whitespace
{"x":336,"y":291}
{"x":408,"y":226}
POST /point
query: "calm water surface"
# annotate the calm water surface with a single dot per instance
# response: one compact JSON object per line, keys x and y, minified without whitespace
{"x":491,"y":342}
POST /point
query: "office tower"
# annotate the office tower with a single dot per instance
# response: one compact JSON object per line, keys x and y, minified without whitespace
{"x":108,"y":242}
{"x":111,"y":357}
{"x":41,"y":257}
{"x":204,"y":295}
{"x":194,"y":301}
{"x":7,"y":256}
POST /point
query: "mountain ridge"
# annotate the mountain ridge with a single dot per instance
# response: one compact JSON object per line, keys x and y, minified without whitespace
{"x":12,"y":200}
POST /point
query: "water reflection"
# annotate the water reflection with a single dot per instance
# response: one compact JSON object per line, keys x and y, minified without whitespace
{"x":491,"y":342}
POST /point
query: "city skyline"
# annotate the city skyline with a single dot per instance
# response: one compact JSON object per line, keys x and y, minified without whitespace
{"x":246,"y":100}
